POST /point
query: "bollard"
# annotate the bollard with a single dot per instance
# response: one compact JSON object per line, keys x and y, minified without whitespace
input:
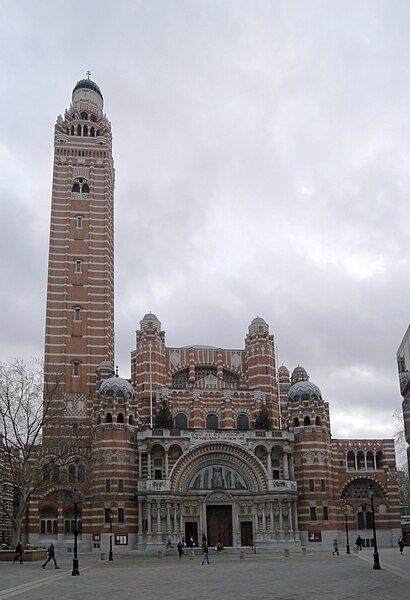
{"x":103,"y":556}
{"x":285,"y":552}
{"x":241,"y":554}
{"x":160,"y":554}
{"x":303,"y":549}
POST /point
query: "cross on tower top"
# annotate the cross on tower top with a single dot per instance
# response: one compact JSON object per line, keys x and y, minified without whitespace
{"x":88,"y":73}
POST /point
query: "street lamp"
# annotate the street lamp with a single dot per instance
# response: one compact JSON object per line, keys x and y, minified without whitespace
{"x":346,"y":512}
{"x":110,"y":556}
{"x":376,"y":561}
{"x":76,"y":499}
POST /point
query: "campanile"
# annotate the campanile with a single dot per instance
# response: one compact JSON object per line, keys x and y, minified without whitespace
{"x":80,"y":292}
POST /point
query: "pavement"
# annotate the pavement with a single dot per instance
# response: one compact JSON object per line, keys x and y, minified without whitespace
{"x":316,"y":575}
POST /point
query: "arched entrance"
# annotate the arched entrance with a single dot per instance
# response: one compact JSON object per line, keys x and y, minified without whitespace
{"x":219,"y":518}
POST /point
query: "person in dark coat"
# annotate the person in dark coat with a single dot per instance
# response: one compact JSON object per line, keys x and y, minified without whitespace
{"x":205,"y":553}
{"x":180,"y":548}
{"x":51,"y":556}
{"x":19,"y":553}
{"x":401,"y":544}
{"x":359,"y":543}
{"x":335,"y":547}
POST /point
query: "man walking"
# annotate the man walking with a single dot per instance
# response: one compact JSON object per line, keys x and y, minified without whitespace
{"x":401,"y":544}
{"x":205,"y":553}
{"x":19,"y":553}
{"x":335,"y":547}
{"x":51,"y":556}
{"x":180,"y":548}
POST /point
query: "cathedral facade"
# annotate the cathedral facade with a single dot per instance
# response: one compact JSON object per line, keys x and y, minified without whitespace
{"x":246,"y":455}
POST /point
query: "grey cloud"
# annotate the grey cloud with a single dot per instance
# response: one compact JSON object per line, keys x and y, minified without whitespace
{"x":261,"y":168}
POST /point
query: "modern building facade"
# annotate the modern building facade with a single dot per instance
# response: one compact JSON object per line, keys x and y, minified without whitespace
{"x":247,"y":454}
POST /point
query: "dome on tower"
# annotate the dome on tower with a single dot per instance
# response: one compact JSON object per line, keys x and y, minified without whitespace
{"x":283,"y":373}
{"x":299,"y":374}
{"x":304,"y":390}
{"x":258,"y":325}
{"x":150,"y":321}
{"x":116,"y":387}
{"x":88,"y":84}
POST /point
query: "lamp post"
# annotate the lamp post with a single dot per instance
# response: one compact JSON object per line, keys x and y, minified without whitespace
{"x":110,"y":556}
{"x":76,"y":499}
{"x":346,"y":512}
{"x":376,"y":560}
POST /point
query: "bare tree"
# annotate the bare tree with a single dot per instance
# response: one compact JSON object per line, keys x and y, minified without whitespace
{"x":27,"y":405}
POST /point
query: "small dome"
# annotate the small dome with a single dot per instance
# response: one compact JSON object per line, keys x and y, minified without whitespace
{"x":283,"y":374}
{"x":304,"y":390}
{"x":105,"y":365}
{"x":299,"y":374}
{"x":150,"y":321}
{"x":88,"y":84}
{"x":258,"y":325}
{"x":283,"y":369}
{"x":116,"y":387}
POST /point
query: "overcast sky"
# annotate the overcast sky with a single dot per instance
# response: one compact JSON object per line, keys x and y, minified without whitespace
{"x":262,"y":168}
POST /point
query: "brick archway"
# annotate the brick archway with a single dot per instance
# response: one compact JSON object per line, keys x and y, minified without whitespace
{"x":224,"y":453}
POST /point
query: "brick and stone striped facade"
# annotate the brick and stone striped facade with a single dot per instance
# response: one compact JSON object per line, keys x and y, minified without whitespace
{"x":209,"y":470}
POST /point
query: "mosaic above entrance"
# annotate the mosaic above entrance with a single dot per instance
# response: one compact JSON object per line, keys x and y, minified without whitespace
{"x":217,"y":477}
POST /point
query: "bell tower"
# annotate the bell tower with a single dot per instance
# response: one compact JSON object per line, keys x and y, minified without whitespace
{"x":80,"y":289}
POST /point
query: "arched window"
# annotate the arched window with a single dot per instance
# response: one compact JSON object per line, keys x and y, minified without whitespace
{"x":131,"y":420}
{"x":76,"y":188}
{"x":84,"y":115}
{"x":360,"y":520}
{"x":120,"y":418}
{"x":296,"y":422}
{"x":71,"y":474}
{"x":86,"y":189}
{"x":379,"y":457}
{"x":85,"y":130}
{"x":369,"y":520}
{"x":42,"y":526}
{"x":92,"y":132}
{"x":108,"y":418}
{"x":306,"y":420}
{"x":98,"y":133}
{"x":181,"y":421}
{"x":79,"y":129}
{"x":81,"y":473}
{"x":351,"y":465}
{"x":80,"y":220}
{"x":360,"y":488}
{"x":78,"y":266}
{"x":242,"y":422}
{"x":93,"y":118}
{"x":72,"y":130}
{"x":212,"y":421}
{"x":318,"y":421}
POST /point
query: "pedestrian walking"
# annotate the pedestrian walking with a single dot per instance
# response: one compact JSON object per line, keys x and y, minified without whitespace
{"x":401,"y":544}
{"x":335,"y":547}
{"x":51,"y":556}
{"x":19,"y":553}
{"x":205,"y":551}
{"x":180,"y":548}
{"x":359,"y":542}
{"x":169,"y":544}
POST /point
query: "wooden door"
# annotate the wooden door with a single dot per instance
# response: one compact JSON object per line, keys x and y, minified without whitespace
{"x":219,"y":524}
{"x":246,"y":533}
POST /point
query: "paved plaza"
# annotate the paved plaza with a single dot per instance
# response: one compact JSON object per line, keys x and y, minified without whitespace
{"x":317,"y":576}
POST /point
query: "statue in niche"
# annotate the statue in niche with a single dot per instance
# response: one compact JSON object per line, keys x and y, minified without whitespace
{"x":228,"y":479}
{"x":197,"y":483}
{"x":206,"y":480}
{"x":238,"y":484}
{"x":217,"y":478}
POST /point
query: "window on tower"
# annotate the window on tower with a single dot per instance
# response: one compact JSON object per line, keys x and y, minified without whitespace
{"x":92,"y":132}
{"x":86,"y":189}
{"x":84,"y":115}
{"x":79,"y":222}
{"x":77,"y":314}
{"x":78,"y":266}
{"x":76,"y":368}
{"x":85,"y":130}
{"x":76,"y":188}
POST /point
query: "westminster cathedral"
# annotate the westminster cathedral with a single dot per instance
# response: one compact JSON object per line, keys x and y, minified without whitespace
{"x":200,"y":440}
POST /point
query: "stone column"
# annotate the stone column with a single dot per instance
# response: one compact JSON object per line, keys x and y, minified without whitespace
{"x":280,"y":516}
{"x":291,"y":466}
{"x":295,"y":512}
{"x":374,"y":461}
{"x":263,"y":516}
{"x":269,"y":464}
{"x":166,"y":464}
{"x":355,"y":460}
{"x":290,"y":515}
{"x":175,"y":518}
{"x":285,"y":466}
{"x":158,"y":516}
{"x":60,"y":521}
{"x":140,"y":522}
{"x":365,"y":460}
{"x":169,"y":531}
{"x":272,"y":520}
{"x":149,"y":524}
